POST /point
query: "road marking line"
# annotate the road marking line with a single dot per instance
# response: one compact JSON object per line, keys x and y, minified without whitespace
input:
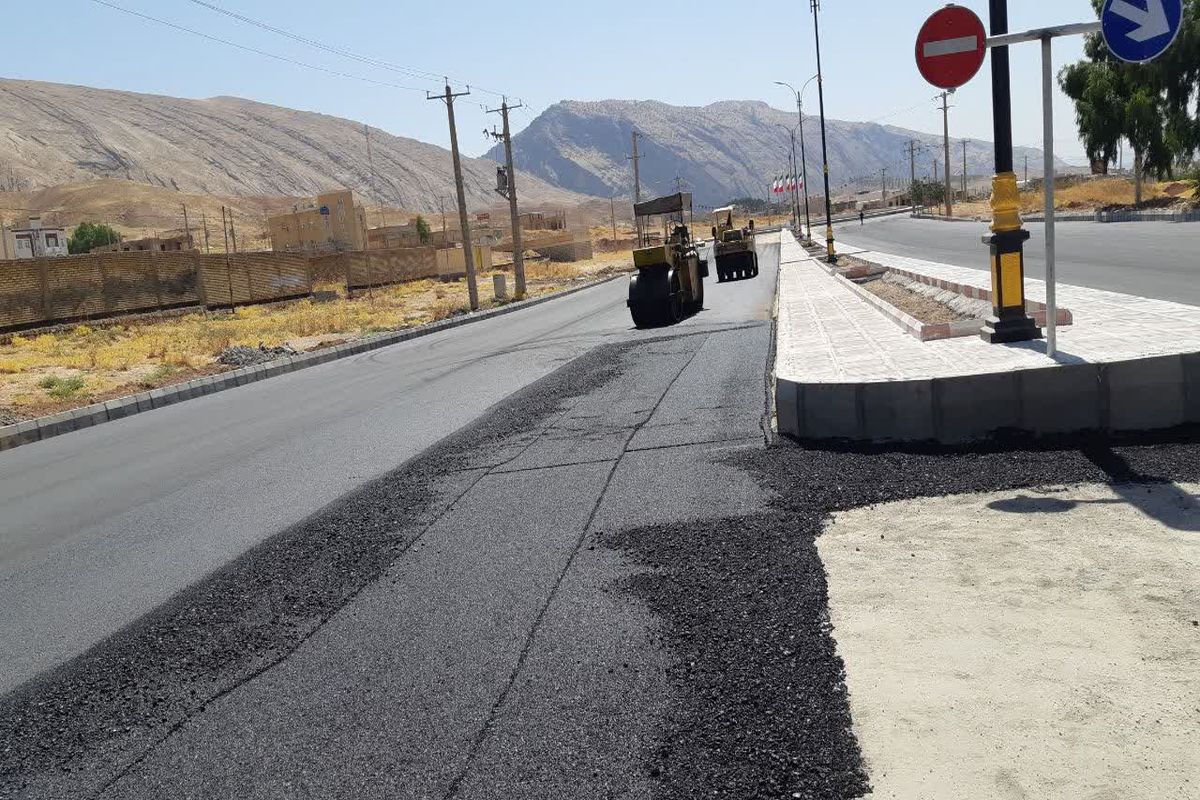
{"x":949,"y":47}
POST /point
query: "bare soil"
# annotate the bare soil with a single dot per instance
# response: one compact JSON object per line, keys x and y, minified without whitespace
{"x":925,"y":309}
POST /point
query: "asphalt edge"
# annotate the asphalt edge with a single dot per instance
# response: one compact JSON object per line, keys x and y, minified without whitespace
{"x":42,"y":428}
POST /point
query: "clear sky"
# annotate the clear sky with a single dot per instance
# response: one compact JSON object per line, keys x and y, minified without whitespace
{"x":684,"y":53}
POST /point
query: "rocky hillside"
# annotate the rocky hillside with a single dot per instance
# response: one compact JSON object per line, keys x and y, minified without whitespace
{"x":55,"y":134}
{"x":721,"y":151}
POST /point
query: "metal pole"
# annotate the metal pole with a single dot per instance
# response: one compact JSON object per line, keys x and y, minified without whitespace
{"x":831,"y":254}
{"x":946,"y":141}
{"x":1048,"y":179}
{"x":612,"y":211}
{"x":187,"y":229}
{"x":804,"y":165}
{"x":1009,"y":321}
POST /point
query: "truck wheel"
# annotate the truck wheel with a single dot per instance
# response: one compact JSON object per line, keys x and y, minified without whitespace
{"x":698,"y":303}
{"x":644,"y":315}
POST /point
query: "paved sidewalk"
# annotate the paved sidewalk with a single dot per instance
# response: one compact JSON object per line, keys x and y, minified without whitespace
{"x":831,"y":344}
{"x":828,"y":335}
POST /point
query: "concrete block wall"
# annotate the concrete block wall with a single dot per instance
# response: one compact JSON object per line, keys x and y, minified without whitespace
{"x":1136,"y":395}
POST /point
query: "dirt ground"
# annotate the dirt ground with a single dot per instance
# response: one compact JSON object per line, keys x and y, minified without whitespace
{"x":925,"y":309}
{"x":1023,"y":644}
{"x":47,"y":372}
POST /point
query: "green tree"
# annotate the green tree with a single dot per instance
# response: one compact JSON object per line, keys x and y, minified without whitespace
{"x":88,"y":235}
{"x":928,"y":193}
{"x":1155,"y":106}
{"x":422,"y":229}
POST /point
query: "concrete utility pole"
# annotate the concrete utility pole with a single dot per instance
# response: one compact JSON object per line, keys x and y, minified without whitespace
{"x":4,"y":238}
{"x":883,"y":180}
{"x":912,"y":166}
{"x":518,"y":244}
{"x":204,"y":224}
{"x":637,"y":175}
{"x":187,"y":229}
{"x":612,"y":211}
{"x":946,"y":140}
{"x":468,"y":251}
{"x":964,"y":181}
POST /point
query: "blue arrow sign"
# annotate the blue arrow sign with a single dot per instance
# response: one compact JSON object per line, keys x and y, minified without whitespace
{"x":1141,"y":30}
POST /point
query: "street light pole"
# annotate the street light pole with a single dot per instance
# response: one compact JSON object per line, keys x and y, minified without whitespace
{"x":803,"y":150}
{"x":830,"y":253}
{"x":1009,"y":321}
{"x":795,"y":199}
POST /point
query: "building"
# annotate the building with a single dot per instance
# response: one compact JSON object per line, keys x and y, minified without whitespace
{"x":334,"y":223}
{"x":537,"y":221}
{"x":391,"y":237}
{"x":155,"y":244}
{"x":35,"y":241}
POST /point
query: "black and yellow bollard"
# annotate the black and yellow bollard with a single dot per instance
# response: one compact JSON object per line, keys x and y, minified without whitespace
{"x":1009,"y":321}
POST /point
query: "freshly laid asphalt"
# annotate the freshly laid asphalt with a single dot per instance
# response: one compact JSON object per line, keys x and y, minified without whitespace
{"x":1149,"y":259}
{"x":604,"y":584}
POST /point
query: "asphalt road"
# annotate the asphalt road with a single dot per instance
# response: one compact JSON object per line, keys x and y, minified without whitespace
{"x":1150,"y":259}
{"x":603,"y":584}
{"x":102,"y":525}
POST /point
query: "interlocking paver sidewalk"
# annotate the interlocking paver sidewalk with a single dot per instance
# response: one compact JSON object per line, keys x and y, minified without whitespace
{"x":827,"y":334}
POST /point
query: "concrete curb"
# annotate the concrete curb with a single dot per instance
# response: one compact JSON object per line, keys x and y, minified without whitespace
{"x":1122,"y":396}
{"x":35,"y":430}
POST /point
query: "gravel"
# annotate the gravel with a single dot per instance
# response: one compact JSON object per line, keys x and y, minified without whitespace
{"x":8,"y":418}
{"x":242,"y":356}
{"x":744,"y":599}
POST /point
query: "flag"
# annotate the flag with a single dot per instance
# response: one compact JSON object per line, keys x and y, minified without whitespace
{"x":792,"y":183}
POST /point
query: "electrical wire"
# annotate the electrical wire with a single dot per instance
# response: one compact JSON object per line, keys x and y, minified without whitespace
{"x":256,"y":51}
{"x":412,"y":72}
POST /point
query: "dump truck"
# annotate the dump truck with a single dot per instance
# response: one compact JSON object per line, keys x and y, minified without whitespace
{"x":669,"y":282}
{"x":733,"y":248}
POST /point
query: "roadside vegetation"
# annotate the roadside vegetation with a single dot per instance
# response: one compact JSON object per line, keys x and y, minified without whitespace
{"x":44,"y":372}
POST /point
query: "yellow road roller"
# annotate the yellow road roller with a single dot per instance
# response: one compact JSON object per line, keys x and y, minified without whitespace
{"x":669,"y":283}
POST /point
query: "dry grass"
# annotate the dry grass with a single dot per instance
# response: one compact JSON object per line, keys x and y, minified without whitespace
{"x":1086,"y":196}
{"x":43,"y":373}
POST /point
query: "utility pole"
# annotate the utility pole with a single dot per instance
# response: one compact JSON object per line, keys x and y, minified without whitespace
{"x":371,"y":167}
{"x":912,"y":166}
{"x":883,"y":180}
{"x":442,"y":206}
{"x":204,"y":224}
{"x":612,"y":211}
{"x":518,"y":244}
{"x":637,"y":175}
{"x":1026,"y":170}
{"x":468,"y":251}
{"x":187,"y":229}
{"x":4,"y":237}
{"x":964,"y":181}
{"x":232,"y":230}
{"x":831,"y":254}
{"x":946,"y":141}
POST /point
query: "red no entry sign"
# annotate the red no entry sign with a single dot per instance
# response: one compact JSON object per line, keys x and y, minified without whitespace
{"x":951,"y":47}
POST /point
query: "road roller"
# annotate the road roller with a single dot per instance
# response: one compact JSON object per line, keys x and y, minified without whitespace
{"x":733,"y":248}
{"x":669,"y":282}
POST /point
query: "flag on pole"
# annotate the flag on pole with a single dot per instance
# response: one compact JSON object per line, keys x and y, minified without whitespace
{"x":791,"y":183}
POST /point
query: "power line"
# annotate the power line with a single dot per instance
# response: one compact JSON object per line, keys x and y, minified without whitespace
{"x":255,"y":50}
{"x":412,"y":72}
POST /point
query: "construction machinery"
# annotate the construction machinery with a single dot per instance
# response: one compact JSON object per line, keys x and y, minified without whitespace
{"x":669,"y":283}
{"x":733,"y":248}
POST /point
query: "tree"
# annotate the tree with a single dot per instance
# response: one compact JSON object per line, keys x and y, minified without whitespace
{"x":1155,"y":106}
{"x":422,"y":229}
{"x":927,"y":193}
{"x":88,"y":235}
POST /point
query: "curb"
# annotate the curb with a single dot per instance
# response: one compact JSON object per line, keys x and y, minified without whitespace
{"x":36,"y":430}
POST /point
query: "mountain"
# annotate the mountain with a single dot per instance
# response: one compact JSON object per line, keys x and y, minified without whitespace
{"x":55,"y":134}
{"x":720,"y":151}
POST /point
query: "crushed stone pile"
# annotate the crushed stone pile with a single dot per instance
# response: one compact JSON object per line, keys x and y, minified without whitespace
{"x":243,"y":356}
